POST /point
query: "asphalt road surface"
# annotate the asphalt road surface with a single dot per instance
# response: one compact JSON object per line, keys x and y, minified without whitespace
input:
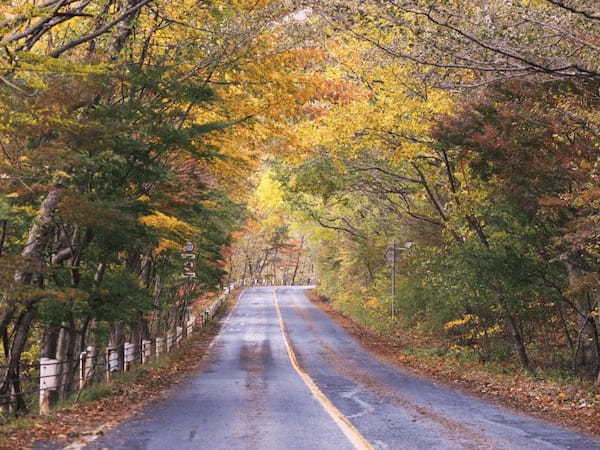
{"x":282,"y":375}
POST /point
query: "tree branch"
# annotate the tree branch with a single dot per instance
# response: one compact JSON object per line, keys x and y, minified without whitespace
{"x":574,"y":10}
{"x":74,"y":43}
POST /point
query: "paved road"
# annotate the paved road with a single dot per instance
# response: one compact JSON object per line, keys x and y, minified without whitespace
{"x":251,"y":396}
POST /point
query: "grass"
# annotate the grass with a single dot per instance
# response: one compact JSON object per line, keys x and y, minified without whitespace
{"x":95,"y":392}
{"x":19,"y":423}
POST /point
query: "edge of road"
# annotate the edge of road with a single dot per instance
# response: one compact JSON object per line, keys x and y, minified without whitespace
{"x":98,"y":432}
{"x":349,"y":430}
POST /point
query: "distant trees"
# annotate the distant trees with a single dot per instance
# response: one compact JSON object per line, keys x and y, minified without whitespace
{"x":266,"y":250}
{"x":270,"y":257}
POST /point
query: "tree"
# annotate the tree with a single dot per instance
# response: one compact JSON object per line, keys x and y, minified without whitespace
{"x":117,"y":142}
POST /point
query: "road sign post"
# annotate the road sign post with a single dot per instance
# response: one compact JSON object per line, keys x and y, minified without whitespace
{"x":392,"y":258}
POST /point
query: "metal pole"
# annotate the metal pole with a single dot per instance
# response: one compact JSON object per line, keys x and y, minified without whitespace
{"x":82,"y":365}
{"x":393,"y":279}
{"x":107,"y":360}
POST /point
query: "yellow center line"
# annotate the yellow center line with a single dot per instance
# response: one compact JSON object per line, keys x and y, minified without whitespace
{"x":349,"y":430}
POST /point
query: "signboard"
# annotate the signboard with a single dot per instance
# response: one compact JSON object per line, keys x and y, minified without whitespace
{"x":189,"y":265}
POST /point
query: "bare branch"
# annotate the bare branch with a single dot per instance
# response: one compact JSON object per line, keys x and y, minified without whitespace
{"x":74,"y":43}
{"x":387,"y":172}
{"x":574,"y":10}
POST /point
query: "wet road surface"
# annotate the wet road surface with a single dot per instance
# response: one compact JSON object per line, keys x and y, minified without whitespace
{"x":250,"y":396}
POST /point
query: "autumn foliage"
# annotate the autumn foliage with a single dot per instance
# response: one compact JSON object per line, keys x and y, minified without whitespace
{"x":302,"y":141}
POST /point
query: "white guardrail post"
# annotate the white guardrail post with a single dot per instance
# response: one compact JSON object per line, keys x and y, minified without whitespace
{"x":160,"y":346}
{"x":112,"y":361}
{"x":90,"y":363}
{"x":87,"y":362}
{"x":82,"y":361}
{"x":170,"y":340}
{"x":129,"y":356}
{"x":48,"y":382}
{"x":146,"y":350}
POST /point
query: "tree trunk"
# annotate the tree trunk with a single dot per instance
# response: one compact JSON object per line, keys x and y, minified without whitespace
{"x":563,"y":322}
{"x":117,"y":339}
{"x":33,"y":254}
{"x":99,"y":275}
{"x":83,"y":336}
{"x":518,"y":343}
{"x":50,"y":341}
{"x":3,"y":236}
{"x":123,"y":29}
{"x":11,"y":386}
{"x":64,"y":357}
{"x":586,"y":352}
{"x":244,"y":273}
{"x":37,"y":240}
{"x":230,"y":271}
{"x":517,"y":338}
{"x":297,"y":261}
{"x":38,"y":237}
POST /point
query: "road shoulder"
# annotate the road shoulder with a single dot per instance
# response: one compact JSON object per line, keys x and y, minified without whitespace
{"x":576,"y":408}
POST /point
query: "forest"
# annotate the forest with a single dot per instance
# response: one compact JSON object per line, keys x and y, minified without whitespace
{"x":429,"y":165}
